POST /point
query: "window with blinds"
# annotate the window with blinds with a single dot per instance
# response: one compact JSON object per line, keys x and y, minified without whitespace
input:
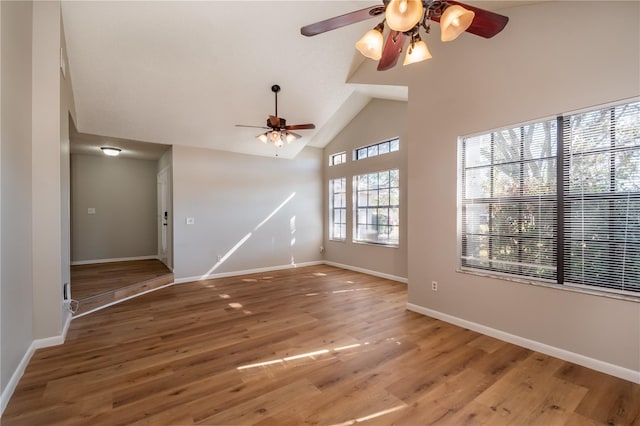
{"x":508,"y":200}
{"x":338,"y":209}
{"x":602,"y":198}
{"x":556,"y":200}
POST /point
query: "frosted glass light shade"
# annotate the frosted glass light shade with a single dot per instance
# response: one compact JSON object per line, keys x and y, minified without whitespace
{"x":454,"y":21}
{"x":263,"y":138}
{"x":275,"y":136}
{"x":370,"y":45}
{"x":110,"y":151}
{"x":417,"y":52}
{"x":290,"y":138}
{"x":402,"y":15}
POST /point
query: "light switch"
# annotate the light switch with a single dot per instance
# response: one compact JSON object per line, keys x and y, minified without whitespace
{"x":91,"y":210}
{"x":191,"y":221}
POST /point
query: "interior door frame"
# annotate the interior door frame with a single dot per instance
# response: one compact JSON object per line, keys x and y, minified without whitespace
{"x":165,"y":218}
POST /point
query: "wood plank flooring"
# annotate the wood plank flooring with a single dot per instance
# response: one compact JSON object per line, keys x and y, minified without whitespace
{"x":316,"y":345}
{"x":99,"y":278}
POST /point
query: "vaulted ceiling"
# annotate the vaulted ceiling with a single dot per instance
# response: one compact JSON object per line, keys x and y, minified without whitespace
{"x":185,"y":72}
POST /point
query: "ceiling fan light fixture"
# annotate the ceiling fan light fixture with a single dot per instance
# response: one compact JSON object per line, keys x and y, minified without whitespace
{"x":370,"y":45}
{"x":263,"y":138}
{"x":290,"y":137}
{"x":454,"y":21}
{"x":417,"y":52}
{"x":110,"y":151}
{"x":275,"y":136}
{"x":402,"y":15}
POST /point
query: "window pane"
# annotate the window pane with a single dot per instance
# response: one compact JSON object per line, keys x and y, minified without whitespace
{"x":362,"y":153}
{"x":477,"y":151}
{"x":590,"y":173}
{"x":394,"y":145}
{"x":375,"y":221}
{"x":372,"y":151}
{"x":540,"y":177}
{"x":602,"y":219}
{"x":383,"y":148}
{"x":506,"y":180}
{"x":478,"y":183}
{"x":628,"y":171}
{"x":627,"y":130}
{"x":337,"y":204}
{"x":506,"y":146}
{"x":508,"y":214}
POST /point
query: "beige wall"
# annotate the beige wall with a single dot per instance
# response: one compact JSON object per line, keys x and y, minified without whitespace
{"x":255,"y":212}
{"x":16,"y":278}
{"x":123,"y":192}
{"x":547,"y":61}
{"x":46,"y":172}
{"x":380,"y":120}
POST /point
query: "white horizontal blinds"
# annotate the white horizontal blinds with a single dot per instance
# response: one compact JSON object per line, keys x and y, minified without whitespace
{"x":338,"y":209}
{"x":602,"y":198}
{"x":508,"y":200}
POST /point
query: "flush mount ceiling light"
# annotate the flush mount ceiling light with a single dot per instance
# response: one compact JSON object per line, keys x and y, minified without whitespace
{"x":110,"y":151}
{"x":406,"y":19}
{"x":278,"y":132}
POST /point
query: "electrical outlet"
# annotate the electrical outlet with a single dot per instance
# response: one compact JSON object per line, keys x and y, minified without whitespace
{"x":434,"y":285}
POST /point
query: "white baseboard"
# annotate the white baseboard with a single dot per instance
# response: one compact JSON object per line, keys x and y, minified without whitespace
{"x":119,"y":259}
{"x":7,"y":392}
{"x":245,"y":272}
{"x":585,"y":361}
{"x":369,"y":272}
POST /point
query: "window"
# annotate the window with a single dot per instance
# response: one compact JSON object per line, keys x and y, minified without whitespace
{"x":557,"y":200}
{"x":377,"y":207}
{"x":338,"y":158}
{"x":377,"y":149}
{"x":338,"y":209}
{"x":602,"y":198}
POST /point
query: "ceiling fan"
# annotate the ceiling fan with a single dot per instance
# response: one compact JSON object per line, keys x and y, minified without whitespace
{"x":278,"y":132}
{"x":405,"y":18}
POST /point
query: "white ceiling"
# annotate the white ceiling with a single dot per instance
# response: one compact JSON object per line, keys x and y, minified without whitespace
{"x":185,"y":72}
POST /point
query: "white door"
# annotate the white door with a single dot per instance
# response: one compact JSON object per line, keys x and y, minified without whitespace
{"x":164,"y":218}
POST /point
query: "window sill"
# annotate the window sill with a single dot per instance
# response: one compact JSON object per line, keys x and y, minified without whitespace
{"x":550,"y":284}
{"x":373,"y":243}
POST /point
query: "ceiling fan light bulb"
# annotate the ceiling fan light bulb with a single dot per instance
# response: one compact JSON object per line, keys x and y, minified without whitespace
{"x":402,"y":15}
{"x":290,"y":138}
{"x":454,"y":21}
{"x":274,"y":136}
{"x":263,"y":138}
{"x":417,"y":52}
{"x":370,"y":45}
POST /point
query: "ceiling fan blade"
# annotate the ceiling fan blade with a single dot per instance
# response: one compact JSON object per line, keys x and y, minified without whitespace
{"x":274,"y":121}
{"x":485,"y":23}
{"x":300,"y":126}
{"x":253,"y":127}
{"x":392,"y":49}
{"x":341,"y":21}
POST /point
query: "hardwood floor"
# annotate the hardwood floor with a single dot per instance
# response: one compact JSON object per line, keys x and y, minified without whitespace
{"x":99,"y":278}
{"x":316,"y":345}
{"x":100,"y":284}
